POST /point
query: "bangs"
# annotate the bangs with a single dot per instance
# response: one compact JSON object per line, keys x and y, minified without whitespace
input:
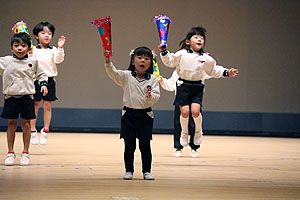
{"x":197,"y":31}
{"x":143,"y":52}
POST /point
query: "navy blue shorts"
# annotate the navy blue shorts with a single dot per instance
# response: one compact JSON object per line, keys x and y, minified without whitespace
{"x":189,"y":92}
{"x":136,"y":123}
{"x":51,"y":96}
{"x":15,"y":106}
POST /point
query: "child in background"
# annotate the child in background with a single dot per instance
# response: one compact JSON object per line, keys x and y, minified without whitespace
{"x":141,"y":91}
{"x":193,"y":67}
{"x":19,"y":72}
{"x":170,"y":85}
{"x":48,"y":56}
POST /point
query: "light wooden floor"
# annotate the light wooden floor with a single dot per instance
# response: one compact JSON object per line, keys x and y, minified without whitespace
{"x":90,"y":166}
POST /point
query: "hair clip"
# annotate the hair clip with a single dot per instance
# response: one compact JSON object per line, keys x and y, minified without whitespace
{"x":131,"y":52}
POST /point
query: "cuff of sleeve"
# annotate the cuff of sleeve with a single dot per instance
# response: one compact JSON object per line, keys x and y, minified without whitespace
{"x":44,"y":83}
{"x":108,"y":64}
{"x":164,"y":52}
{"x":226,"y":72}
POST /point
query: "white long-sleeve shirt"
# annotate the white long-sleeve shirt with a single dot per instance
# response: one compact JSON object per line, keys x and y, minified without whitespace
{"x":18,"y":75}
{"x":48,"y":58}
{"x":134,"y":95}
{"x":192,"y":66}
{"x":170,"y":83}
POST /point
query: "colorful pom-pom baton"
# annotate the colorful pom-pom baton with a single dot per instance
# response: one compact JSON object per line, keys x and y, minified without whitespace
{"x":104,"y":28}
{"x":155,"y":65}
{"x":162,"y":22}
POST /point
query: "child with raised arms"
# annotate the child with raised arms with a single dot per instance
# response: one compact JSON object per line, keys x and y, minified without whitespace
{"x":19,"y":72}
{"x":140,"y":92}
{"x":48,"y":56}
{"x":193,"y":67}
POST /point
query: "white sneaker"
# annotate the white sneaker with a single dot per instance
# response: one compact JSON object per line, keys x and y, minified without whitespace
{"x":198,"y":138}
{"x":184,"y":139}
{"x":34,"y":138}
{"x":194,"y":154}
{"x":148,"y":176}
{"x":44,"y":137}
{"x":10,"y":159}
{"x":128,"y":176}
{"x":177,"y":153}
{"x":24,"y":161}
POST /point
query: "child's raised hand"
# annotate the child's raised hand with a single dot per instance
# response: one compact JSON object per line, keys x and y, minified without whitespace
{"x":61,"y":41}
{"x":233,"y":72}
{"x":106,"y":56}
{"x":44,"y":89}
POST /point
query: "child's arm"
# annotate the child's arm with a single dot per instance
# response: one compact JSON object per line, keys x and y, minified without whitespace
{"x":170,"y":83}
{"x":3,"y":64}
{"x":118,"y":76}
{"x":170,"y":59}
{"x":216,"y":71}
{"x":42,"y":77}
{"x":59,"y":55}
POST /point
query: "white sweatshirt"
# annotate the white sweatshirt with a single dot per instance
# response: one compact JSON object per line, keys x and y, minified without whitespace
{"x":48,"y":58}
{"x":192,"y":66}
{"x":18,"y":75}
{"x":134,"y":95}
{"x":170,"y":83}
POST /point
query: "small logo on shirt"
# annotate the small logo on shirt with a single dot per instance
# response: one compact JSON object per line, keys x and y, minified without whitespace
{"x":30,"y":65}
{"x":201,"y":61}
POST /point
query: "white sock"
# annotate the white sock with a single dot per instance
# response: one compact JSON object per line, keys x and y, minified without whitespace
{"x":198,"y":123}
{"x":184,"y":124}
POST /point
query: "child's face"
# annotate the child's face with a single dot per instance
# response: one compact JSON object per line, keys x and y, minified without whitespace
{"x":44,"y":36}
{"x":141,"y":63}
{"x":20,"y":49}
{"x":196,"y":42}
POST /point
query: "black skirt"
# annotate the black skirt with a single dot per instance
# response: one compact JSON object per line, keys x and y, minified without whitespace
{"x":136,"y":123}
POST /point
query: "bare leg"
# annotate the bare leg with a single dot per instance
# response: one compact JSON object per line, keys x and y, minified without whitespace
{"x":36,"y":110}
{"x":26,"y":134}
{"x":11,"y":133}
{"x":47,"y":105}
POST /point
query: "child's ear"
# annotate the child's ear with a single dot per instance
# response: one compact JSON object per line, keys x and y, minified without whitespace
{"x":187,"y":42}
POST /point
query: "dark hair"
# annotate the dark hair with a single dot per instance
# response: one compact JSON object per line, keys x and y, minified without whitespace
{"x":194,"y":31}
{"x":20,"y":37}
{"x":40,"y":27}
{"x":141,"y":51}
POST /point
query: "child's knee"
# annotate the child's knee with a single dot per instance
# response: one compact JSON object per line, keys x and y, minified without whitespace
{"x":47,"y":105}
{"x":195,"y":113}
{"x":12,"y":124}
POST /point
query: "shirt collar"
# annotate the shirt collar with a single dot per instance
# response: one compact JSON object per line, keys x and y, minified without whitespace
{"x":26,"y":56}
{"x":39,"y":47}
{"x":147,"y":75}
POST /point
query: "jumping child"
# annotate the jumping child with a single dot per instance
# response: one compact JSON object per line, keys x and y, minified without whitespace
{"x":48,"y":56}
{"x":193,"y":67}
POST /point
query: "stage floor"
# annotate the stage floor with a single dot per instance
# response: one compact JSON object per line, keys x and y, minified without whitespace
{"x":90,"y":166}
